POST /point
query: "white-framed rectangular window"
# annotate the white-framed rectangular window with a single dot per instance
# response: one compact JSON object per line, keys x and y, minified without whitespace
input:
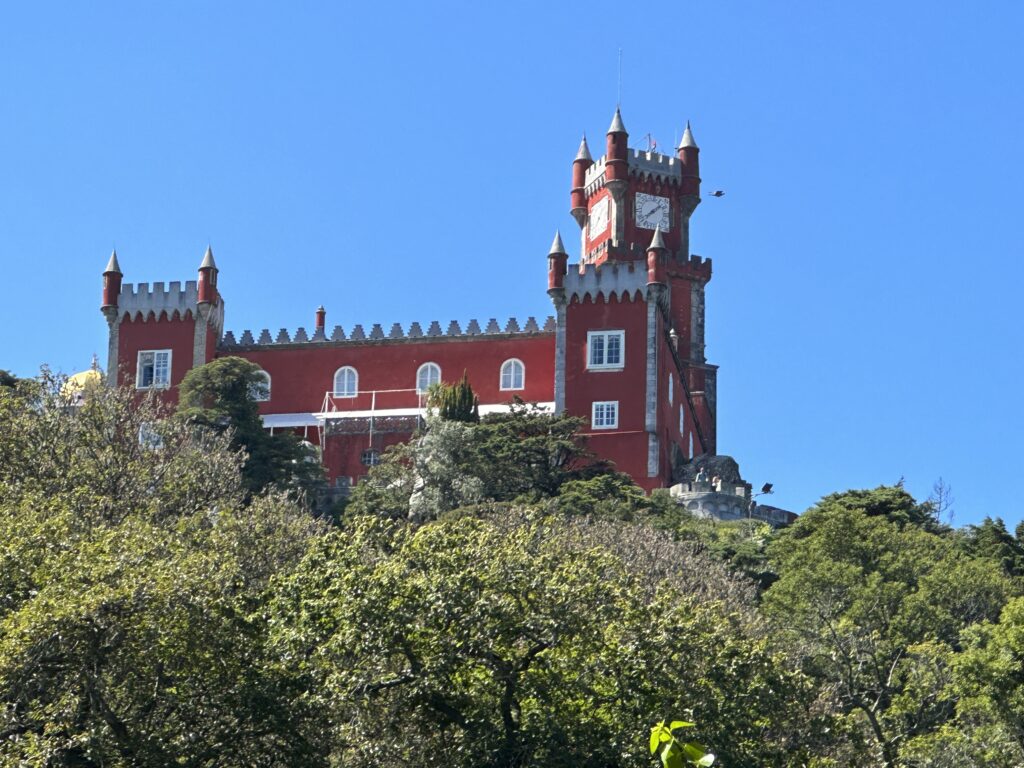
{"x":154,"y":369}
{"x":671,"y":385}
{"x":606,"y":349}
{"x":605,"y":415}
{"x":682,"y":420}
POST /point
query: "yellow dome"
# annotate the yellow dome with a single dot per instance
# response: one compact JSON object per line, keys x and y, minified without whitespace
{"x":81,"y":382}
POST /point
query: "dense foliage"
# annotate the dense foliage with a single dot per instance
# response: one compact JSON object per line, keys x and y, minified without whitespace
{"x":492,"y":596}
{"x":219,"y":396}
{"x":455,"y":402}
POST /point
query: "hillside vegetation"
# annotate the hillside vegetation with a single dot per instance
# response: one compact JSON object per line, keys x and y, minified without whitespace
{"x":171,"y":594}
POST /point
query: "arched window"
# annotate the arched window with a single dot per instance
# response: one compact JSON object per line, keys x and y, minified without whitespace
{"x":513,"y":374}
{"x":259,"y":389}
{"x":346,"y":382}
{"x":428,"y":375}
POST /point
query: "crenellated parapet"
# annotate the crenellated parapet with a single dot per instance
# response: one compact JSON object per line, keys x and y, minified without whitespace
{"x":396,"y":333}
{"x":624,"y":280}
{"x":643,"y":164}
{"x":654,"y":165}
{"x":693,"y":268}
{"x":143,"y":298}
{"x":164,"y":301}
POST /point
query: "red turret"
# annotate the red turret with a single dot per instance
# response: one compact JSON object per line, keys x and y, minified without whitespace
{"x":656,"y":258}
{"x":689,"y":154}
{"x":321,"y":317}
{"x":557,"y":258}
{"x":208,"y":279}
{"x":111,"y":282}
{"x":578,"y":196}
{"x":616,"y":143}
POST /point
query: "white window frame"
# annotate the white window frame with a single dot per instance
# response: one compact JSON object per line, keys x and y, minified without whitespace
{"x":671,"y":386}
{"x":604,"y":337}
{"x":419,"y":374}
{"x":138,"y":369}
{"x":511,"y":364}
{"x":603,"y":405}
{"x":335,"y":392}
{"x":682,"y":420}
{"x":255,"y":393}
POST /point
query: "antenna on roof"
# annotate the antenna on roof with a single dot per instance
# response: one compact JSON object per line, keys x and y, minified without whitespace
{"x":618,"y":95}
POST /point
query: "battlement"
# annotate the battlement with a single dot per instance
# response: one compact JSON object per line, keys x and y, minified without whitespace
{"x":594,"y":176}
{"x":159,"y":297}
{"x":694,"y":266}
{"x":619,"y":279}
{"x":654,"y":164}
{"x":358,"y":334}
{"x":640,"y":162}
{"x":164,"y":301}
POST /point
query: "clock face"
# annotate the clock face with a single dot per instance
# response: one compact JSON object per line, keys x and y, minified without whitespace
{"x":652,"y":211}
{"x":599,"y":218}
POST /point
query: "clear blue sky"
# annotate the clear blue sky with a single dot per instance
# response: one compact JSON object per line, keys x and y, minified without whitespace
{"x":402,"y":162}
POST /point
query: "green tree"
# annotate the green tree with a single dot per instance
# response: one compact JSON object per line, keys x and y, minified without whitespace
{"x":875,"y":602}
{"x":219,"y":396}
{"x":98,"y":454}
{"x":742,"y":544}
{"x":612,"y":495}
{"x":132,"y":576}
{"x":891,"y":502}
{"x":524,"y":454}
{"x":8,"y":379}
{"x":135,"y":646}
{"x":455,"y":402}
{"x":989,"y":681}
{"x":991,"y":540}
{"x":518,"y":640}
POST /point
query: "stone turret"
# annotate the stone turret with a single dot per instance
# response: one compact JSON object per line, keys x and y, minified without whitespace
{"x":656,"y":258}
{"x":615,"y":141}
{"x":111,"y":282}
{"x":111,"y":296}
{"x":557,"y":258}
{"x":208,"y":278}
{"x":578,"y":195}
{"x":689,"y":155}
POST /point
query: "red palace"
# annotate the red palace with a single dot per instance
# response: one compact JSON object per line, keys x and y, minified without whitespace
{"x":624,"y":346}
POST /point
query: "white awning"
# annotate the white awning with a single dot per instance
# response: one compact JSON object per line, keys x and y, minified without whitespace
{"x":288,"y":420}
{"x":382,"y":413}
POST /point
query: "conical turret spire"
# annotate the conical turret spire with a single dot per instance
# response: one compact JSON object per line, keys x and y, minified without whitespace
{"x":584,"y":150}
{"x":657,"y":242}
{"x":617,"y":125}
{"x":208,"y":261}
{"x":556,"y":244}
{"x":687,"y":140}
{"x":112,"y":265}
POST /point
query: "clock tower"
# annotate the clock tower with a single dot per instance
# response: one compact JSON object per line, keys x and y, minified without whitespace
{"x":621,"y":199}
{"x":629,"y":348}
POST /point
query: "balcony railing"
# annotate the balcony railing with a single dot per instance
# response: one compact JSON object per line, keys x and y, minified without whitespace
{"x":390,"y":402}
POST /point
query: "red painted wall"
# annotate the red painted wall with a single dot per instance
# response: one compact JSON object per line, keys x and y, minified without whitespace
{"x":583,"y":387}
{"x":343,"y":453}
{"x":606,"y":235}
{"x":137,"y":335}
{"x":302,"y":374}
